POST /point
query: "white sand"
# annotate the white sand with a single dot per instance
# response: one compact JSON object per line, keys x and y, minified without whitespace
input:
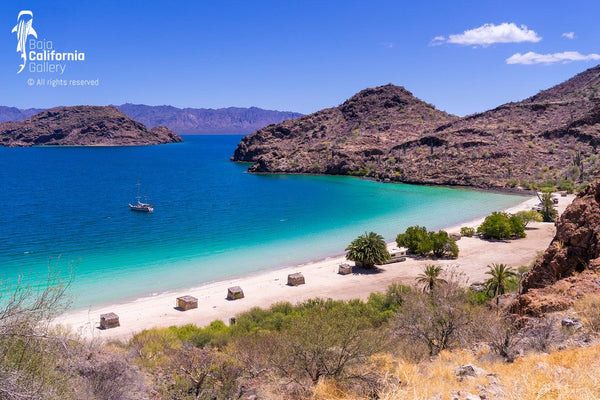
{"x":322,"y":280}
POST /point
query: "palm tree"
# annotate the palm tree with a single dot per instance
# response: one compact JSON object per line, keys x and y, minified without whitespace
{"x":368,"y":249}
{"x":430,"y":278}
{"x":500,"y":274}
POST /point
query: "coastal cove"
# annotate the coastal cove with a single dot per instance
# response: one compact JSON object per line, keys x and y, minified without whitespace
{"x":66,"y":207}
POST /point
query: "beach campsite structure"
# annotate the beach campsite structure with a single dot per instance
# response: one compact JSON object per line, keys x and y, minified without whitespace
{"x":187,"y":302}
{"x":345,"y":269}
{"x":295,"y":279}
{"x":235,"y":293}
{"x":109,"y":320}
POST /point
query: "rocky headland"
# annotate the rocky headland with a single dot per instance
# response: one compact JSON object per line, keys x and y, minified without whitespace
{"x":387,"y":134}
{"x":82,"y":126}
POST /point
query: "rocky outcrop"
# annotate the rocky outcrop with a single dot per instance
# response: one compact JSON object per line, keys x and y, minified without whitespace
{"x":576,"y":246}
{"x":387,"y":134}
{"x":569,"y":269}
{"x":82,"y":126}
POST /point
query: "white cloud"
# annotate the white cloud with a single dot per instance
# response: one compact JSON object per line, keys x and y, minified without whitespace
{"x":489,"y":34}
{"x":568,"y":35}
{"x":389,"y":45}
{"x":564,"y":57}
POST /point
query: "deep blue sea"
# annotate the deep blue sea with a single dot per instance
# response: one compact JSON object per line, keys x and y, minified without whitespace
{"x":68,"y":207}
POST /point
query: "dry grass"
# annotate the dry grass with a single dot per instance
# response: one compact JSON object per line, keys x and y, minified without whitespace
{"x":566,"y":374}
{"x":588,"y":309}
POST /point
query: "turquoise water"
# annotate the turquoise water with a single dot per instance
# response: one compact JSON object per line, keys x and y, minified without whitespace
{"x":66,"y":206}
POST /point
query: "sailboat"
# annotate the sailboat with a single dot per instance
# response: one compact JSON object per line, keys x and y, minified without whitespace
{"x":142,"y":207}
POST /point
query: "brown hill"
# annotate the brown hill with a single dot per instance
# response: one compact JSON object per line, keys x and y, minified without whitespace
{"x":386,"y":133}
{"x":354,"y":138}
{"x":82,"y":126}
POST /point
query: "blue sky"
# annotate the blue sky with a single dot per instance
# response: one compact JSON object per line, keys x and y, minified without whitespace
{"x":461,"y":56}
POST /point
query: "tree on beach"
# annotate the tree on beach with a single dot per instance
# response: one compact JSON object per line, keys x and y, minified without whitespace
{"x":501,"y":225}
{"x":500,"y":276}
{"x":529,"y":216}
{"x":368,"y":249}
{"x":430,"y":278}
{"x":549,"y":213}
{"x":418,"y":240}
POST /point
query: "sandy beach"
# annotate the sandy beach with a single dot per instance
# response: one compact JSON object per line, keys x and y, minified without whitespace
{"x":322,"y":280}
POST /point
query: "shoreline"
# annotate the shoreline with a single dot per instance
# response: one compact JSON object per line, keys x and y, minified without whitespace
{"x":263,"y":288}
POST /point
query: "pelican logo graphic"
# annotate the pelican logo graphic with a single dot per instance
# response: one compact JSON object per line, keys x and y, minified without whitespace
{"x":23,"y":29}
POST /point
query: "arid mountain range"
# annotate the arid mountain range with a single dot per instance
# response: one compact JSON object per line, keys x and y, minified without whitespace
{"x":388,"y":134}
{"x":231,"y":120}
{"x":82,"y":126}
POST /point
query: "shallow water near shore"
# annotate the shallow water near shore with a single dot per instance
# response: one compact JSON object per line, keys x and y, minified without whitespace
{"x":68,"y":207}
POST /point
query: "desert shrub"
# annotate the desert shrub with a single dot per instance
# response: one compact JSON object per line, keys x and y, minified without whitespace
{"x":438,"y":320}
{"x":155,"y":346}
{"x":33,"y":355}
{"x":500,"y":225}
{"x":527,"y":216}
{"x":415,"y":239}
{"x":201,"y":373}
{"x":566,"y":185}
{"x":324,"y":342}
{"x":215,"y":334}
{"x":467,"y":231}
{"x":422,"y":242}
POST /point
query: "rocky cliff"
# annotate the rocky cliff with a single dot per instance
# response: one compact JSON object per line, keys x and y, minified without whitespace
{"x":82,"y":126}
{"x":576,"y":246}
{"x":388,"y":134}
{"x":569,"y":268}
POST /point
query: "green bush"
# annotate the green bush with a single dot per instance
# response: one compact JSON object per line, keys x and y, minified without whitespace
{"x":467,"y":231}
{"x":529,"y":216}
{"x":500,"y":225}
{"x":422,"y":242}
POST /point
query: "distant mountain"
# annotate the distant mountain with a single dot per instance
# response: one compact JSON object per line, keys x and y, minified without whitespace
{"x":232,"y":120}
{"x":387,"y":134}
{"x":16,"y":114}
{"x":82,"y":126}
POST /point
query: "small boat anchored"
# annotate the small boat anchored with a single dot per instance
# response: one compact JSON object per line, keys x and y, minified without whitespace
{"x":141,"y":207}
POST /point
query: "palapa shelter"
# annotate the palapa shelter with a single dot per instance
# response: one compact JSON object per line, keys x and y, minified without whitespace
{"x":296,"y":279}
{"x":235,"y":293}
{"x":109,"y":320}
{"x":345,"y":269}
{"x":187,"y":302}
